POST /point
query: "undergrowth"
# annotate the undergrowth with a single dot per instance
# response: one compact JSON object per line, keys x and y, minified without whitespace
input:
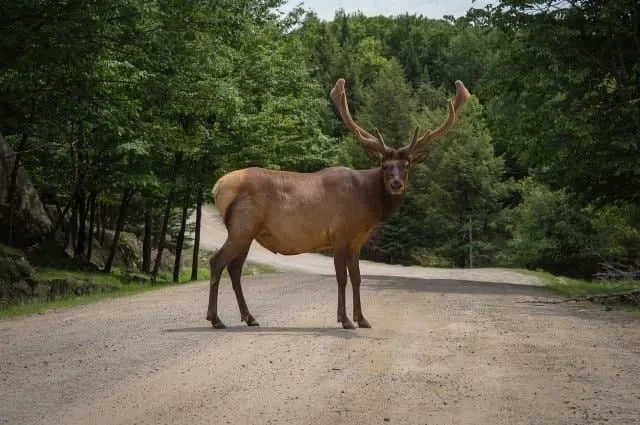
{"x":119,"y":284}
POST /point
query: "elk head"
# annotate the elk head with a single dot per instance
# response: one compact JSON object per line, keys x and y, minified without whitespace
{"x":395,"y":163}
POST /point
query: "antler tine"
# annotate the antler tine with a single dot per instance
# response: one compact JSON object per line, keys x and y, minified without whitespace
{"x":378,"y":135}
{"x":419,"y":144}
{"x":414,"y":141}
{"x":369,"y":141}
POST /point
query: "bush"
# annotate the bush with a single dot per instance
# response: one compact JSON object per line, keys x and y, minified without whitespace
{"x":552,"y":231}
{"x":13,"y":266}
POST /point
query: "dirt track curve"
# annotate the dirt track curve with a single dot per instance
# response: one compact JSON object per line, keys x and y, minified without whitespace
{"x":447,"y":347}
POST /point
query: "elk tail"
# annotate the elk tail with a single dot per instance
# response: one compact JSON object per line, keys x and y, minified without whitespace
{"x":226,"y":190}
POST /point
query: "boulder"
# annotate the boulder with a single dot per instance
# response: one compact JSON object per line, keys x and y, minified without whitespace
{"x":42,"y":290}
{"x":128,"y":254}
{"x":30,"y":221}
{"x":22,"y":288}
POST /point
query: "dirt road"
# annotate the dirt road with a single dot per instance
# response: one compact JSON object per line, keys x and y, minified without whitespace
{"x":443,"y":350}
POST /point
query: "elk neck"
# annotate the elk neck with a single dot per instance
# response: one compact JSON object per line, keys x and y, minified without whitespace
{"x":382,"y":201}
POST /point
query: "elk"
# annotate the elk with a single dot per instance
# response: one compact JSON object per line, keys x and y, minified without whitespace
{"x":338,"y":208}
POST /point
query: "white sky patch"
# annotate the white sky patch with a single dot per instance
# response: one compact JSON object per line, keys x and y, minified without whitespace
{"x":325,"y":9}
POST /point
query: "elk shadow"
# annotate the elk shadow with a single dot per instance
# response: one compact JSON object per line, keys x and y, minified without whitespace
{"x":265,"y":331}
{"x":454,"y":286}
{"x":544,"y":300}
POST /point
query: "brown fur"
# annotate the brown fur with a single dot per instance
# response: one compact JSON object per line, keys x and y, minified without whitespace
{"x":294,"y":213}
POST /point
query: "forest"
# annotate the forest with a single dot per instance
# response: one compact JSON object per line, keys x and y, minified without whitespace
{"x":124,"y":113}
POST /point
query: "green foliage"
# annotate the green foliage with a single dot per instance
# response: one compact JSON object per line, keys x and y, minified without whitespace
{"x":549,"y":232}
{"x":155,"y":99}
{"x":13,"y":265}
{"x":583,"y":289}
{"x":564,"y":90}
{"x":12,"y":270}
{"x":390,"y":106}
{"x":159,"y":99}
{"x":463,"y":187}
{"x":461,"y":179}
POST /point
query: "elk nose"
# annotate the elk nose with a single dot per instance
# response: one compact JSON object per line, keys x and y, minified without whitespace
{"x":396,"y":185}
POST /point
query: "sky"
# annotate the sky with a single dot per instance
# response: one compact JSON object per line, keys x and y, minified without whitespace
{"x":325,"y":9}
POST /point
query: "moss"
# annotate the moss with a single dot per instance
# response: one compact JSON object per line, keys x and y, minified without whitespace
{"x":7,"y":251}
{"x":14,"y":269}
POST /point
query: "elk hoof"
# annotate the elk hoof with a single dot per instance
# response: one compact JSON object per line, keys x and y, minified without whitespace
{"x":217,"y":324}
{"x":346,"y":324}
{"x":251,"y":321}
{"x":363,"y":323}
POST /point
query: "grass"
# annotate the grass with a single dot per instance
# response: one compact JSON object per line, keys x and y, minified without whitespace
{"x":578,"y":288}
{"x":39,"y":306}
{"x":121,"y":285}
{"x":8,"y":251}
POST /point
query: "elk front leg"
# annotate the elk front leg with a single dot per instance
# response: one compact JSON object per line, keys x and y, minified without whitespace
{"x":354,"y":274}
{"x":340,"y":263}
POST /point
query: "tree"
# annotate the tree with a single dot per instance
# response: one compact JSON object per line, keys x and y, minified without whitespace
{"x":564,"y":91}
{"x":461,"y":185}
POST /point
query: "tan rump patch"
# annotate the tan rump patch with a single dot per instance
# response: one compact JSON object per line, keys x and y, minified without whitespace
{"x":226,"y":189}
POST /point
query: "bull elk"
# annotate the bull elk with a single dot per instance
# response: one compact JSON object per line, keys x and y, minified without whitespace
{"x":291,"y":213}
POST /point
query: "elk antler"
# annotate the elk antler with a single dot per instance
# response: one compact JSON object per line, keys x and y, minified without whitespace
{"x":419,"y":147}
{"x":370,"y":142}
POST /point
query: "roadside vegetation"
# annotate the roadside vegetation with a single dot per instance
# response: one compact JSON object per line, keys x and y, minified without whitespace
{"x":621,"y":292}
{"x":27,"y":290}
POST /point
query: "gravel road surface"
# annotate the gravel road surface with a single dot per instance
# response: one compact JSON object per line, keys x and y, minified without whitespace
{"x":446,"y":347}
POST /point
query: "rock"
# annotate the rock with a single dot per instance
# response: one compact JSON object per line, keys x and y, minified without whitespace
{"x":22,"y":288}
{"x":129,"y":252}
{"x":64,"y":287}
{"x":41,"y":290}
{"x":30,"y":221}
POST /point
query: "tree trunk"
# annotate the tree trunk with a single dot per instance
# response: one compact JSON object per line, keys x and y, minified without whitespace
{"x":61,"y":216}
{"x":165,"y":220}
{"x":92,"y":219}
{"x":163,"y":237}
{"x":196,"y":241}
{"x":146,"y":243}
{"x":97,"y":218}
{"x":82,"y":226}
{"x":126,"y":197}
{"x":74,"y":223}
{"x":179,"y":244}
{"x":60,"y":223}
{"x":11,"y":190}
{"x":103,"y":219}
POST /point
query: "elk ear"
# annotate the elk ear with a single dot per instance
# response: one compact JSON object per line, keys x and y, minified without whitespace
{"x":418,"y":158}
{"x":374,"y":155}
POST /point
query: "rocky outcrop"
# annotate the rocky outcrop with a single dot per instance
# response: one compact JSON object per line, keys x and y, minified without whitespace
{"x":19,"y":283}
{"x":30,"y":221}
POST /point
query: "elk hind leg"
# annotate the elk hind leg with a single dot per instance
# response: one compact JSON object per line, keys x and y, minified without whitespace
{"x":240,"y":227}
{"x":216,"y":267}
{"x":235,"y":272}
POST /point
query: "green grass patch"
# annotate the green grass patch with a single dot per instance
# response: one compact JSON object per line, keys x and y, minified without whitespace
{"x":38,"y":306}
{"x":119,"y":284}
{"x":8,"y":251}
{"x":574,"y":288}
{"x":578,"y":288}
